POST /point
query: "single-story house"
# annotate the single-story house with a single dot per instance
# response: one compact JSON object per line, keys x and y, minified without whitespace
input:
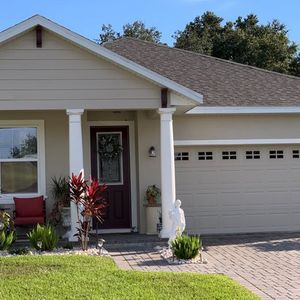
{"x":225,"y":136}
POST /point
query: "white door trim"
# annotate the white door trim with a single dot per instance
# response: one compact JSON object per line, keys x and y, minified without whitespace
{"x":236,"y":142}
{"x":132,"y":157}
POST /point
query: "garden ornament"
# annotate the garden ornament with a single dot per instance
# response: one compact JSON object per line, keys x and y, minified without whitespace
{"x":178,"y":221}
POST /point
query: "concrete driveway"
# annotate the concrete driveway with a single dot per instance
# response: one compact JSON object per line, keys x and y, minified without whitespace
{"x":267,"y":264}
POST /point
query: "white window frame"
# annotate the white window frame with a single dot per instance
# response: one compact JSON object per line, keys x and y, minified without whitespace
{"x":41,"y":176}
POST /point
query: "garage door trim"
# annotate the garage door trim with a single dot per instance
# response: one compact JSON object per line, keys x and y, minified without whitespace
{"x":236,"y":142}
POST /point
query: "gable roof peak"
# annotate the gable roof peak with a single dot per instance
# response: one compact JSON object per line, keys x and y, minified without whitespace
{"x":100,"y":51}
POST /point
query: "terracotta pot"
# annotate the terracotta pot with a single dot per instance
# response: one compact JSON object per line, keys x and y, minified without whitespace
{"x":151,"y":200}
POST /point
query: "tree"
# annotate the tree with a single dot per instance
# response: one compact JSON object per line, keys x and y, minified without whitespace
{"x":295,"y":66}
{"x":245,"y":41}
{"x":136,"y":30}
{"x":107,"y":34}
{"x":201,"y":34}
{"x":28,"y":147}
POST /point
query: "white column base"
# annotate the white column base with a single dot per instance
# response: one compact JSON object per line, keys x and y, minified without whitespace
{"x":164,"y":233}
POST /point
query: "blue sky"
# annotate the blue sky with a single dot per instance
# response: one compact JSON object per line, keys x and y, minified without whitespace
{"x":86,"y":17}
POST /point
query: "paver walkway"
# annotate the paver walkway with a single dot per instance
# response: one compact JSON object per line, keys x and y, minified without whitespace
{"x":268,"y":265}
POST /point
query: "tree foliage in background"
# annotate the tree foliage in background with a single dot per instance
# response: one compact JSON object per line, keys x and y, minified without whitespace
{"x":28,"y":147}
{"x":136,"y":30}
{"x":245,"y":41}
{"x":295,"y":66}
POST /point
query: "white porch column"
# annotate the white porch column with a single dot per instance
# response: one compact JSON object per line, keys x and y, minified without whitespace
{"x":75,"y":158}
{"x":168,"y":189}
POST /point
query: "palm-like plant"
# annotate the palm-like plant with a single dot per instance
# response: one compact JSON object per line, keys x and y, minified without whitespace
{"x":7,"y":231}
{"x":90,"y":203}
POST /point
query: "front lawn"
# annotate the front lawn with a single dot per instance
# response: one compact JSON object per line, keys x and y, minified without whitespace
{"x":86,"y":277}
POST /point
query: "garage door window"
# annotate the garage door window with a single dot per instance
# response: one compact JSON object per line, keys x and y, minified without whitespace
{"x":181,"y":156}
{"x":296,"y":154}
{"x":276,"y":154}
{"x":252,"y":154}
{"x":228,"y":155}
{"x":205,"y":155}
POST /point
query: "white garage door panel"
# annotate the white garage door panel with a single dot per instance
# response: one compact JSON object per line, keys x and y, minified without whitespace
{"x":240,"y":195}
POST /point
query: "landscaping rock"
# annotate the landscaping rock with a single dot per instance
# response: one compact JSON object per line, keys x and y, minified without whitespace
{"x":61,"y":251}
{"x":167,"y":254}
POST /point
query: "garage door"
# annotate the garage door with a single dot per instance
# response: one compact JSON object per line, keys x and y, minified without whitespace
{"x":239,"y":188}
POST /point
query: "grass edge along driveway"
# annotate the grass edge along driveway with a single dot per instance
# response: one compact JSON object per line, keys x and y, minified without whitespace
{"x":87,"y":277}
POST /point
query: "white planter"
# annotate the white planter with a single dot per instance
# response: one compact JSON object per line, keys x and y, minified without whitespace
{"x":66,"y":216}
{"x":152,"y":219}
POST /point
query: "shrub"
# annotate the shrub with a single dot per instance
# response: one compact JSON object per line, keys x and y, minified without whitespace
{"x":90,"y":203}
{"x":7,"y":232}
{"x":68,"y":246}
{"x":19,"y":251}
{"x":186,"y":247}
{"x":43,"y":237}
{"x":6,"y":239}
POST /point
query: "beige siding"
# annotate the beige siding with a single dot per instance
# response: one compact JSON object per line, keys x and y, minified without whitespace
{"x":148,"y":134}
{"x":60,"y":71}
{"x":236,"y":127}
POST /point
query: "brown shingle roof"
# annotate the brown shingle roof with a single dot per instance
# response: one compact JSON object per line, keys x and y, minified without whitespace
{"x":221,"y":82}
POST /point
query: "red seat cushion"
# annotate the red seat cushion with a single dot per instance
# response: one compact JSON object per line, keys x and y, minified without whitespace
{"x":29,"y":207}
{"x":29,"y":221}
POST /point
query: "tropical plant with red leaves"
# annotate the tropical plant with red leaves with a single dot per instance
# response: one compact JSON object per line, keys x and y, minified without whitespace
{"x":90,"y":203}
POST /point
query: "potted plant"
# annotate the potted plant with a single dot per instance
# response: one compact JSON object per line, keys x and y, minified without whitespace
{"x":61,"y":210}
{"x":153,"y":195}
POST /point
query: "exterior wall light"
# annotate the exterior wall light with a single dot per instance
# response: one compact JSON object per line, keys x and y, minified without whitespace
{"x":152,"y":152}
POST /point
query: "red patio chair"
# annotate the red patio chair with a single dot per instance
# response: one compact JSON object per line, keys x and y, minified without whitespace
{"x":29,"y":211}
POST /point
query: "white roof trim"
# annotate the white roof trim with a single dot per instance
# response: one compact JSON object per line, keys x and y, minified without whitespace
{"x":236,"y":142}
{"x":211,"y":110}
{"x":98,"y":50}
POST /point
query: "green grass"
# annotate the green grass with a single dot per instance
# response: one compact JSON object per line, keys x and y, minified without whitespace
{"x":86,"y":277}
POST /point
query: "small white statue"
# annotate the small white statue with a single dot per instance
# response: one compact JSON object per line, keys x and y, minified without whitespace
{"x":178,"y":221}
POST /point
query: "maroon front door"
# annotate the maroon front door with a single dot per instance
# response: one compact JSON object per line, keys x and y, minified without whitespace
{"x":110,"y":164}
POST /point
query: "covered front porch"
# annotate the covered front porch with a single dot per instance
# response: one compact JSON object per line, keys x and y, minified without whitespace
{"x":67,"y":142}
{"x":129,"y":174}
